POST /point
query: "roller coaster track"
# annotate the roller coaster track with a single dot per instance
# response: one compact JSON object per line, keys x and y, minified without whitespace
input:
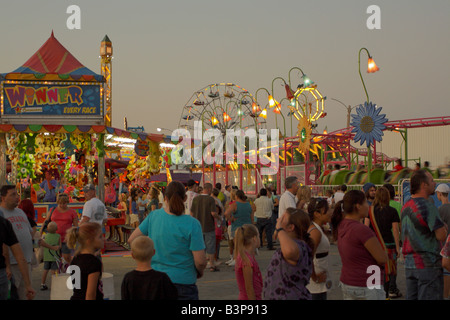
{"x":339,"y":139}
{"x":407,"y":124}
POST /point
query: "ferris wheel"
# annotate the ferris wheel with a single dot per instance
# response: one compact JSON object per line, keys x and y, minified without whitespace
{"x":221,"y":106}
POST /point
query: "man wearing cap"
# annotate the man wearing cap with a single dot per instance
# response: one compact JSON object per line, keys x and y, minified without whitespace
{"x":94,"y":209}
{"x":369,"y":190}
{"x":442,"y":192}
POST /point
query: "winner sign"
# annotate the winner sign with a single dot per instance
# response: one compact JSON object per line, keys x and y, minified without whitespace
{"x":58,"y":102}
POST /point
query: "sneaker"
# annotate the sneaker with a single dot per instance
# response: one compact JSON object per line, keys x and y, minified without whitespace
{"x":395,"y":294}
{"x":232,"y":263}
{"x":44,"y":287}
{"x":229,"y":261}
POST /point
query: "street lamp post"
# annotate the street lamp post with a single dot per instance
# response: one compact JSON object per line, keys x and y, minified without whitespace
{"x":349,"y":110}
{"x":371,"y":68}
{"x":159,"y":129}
{"x":306,"y":81}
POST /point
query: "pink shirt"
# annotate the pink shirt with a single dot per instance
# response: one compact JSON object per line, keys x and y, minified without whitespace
{"x":64,"y":221}
{"x":352,"y":235}
{"x":257,"y":277}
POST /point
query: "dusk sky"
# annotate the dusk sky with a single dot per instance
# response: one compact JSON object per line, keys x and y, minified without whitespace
{"x":164,"y":51}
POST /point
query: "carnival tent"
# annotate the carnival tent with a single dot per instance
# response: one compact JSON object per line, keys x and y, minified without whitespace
{"x":53,"y":62}
{"x":53,"y":93}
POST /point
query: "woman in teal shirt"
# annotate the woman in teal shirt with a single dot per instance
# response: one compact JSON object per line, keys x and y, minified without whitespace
{"x":178,"y":240}
{"x":240,"y":212}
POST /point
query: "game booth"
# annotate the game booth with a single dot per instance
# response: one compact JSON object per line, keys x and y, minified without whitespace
{"x":53,"y":118}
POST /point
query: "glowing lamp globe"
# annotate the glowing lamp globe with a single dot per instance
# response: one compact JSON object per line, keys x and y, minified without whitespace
{"x":272,"y":102}
{"x":255,"y":108}
{"x":264,"y":113}
{"x":371,"y":66}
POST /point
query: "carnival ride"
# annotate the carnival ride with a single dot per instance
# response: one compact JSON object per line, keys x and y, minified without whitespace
{"x":338,"y":142}
{"x":332,"y":148}
{"x":222,"y":106}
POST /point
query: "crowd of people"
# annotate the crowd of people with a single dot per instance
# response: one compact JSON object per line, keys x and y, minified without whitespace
{"x":62,"y":229}
{"x":178,"y":234}
{"x":371,"y":228}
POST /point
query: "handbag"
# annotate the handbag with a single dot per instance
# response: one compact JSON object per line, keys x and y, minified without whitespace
{"x":40,"y":255}
{"x":34,"y":261}
{"x":47,"y":221}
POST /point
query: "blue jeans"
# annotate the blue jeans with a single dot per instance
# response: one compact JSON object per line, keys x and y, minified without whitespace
{"x":319,"y":296}
{"x":261,"y":224}
{"x":187,"y":291}
{"x":361,"y":293}
{"x":424,"y":284}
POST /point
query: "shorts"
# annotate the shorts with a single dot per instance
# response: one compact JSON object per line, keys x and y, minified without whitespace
{"x":230,"y":234}
{"x":50,"y":265}
{"x":187,"y":291}
{"x":210,"y":242}
{"x":134,"y":218}
{"x":65,"y":249}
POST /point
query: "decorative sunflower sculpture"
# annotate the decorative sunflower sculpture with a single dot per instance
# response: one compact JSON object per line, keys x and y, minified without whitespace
{"x":304,"y":135}
{"x":368,"y":124}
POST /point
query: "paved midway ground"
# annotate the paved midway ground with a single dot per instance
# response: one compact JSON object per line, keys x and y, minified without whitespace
{"x":220,"y":285}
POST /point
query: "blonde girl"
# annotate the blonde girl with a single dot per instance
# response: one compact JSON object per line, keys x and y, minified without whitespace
{"x":303,"y":197}
{"x":87,"y":240}
{"x":248,"y":275}
{"x":123,"y":208}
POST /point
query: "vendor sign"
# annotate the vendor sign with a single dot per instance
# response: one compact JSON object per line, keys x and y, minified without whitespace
{"x":51,"y":99}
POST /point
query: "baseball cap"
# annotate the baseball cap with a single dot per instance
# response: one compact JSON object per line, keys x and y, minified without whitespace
{"x":88,"y":187}
{"x":367,"y":186}
{"x":443,"y":188}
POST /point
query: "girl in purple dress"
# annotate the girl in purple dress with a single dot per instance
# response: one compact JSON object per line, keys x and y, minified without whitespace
{"x":291,"y":266}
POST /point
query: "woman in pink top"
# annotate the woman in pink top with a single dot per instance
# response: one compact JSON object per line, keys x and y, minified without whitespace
{"x":65,"y":218}
{"x":361,"y":253}
{"x":248,"y":275}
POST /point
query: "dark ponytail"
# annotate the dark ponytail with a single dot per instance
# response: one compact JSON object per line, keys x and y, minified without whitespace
{"x":336,"y":218}
{"x":316,"y":205}
{"x":176,"y":195}
{"x":301,"y":222}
